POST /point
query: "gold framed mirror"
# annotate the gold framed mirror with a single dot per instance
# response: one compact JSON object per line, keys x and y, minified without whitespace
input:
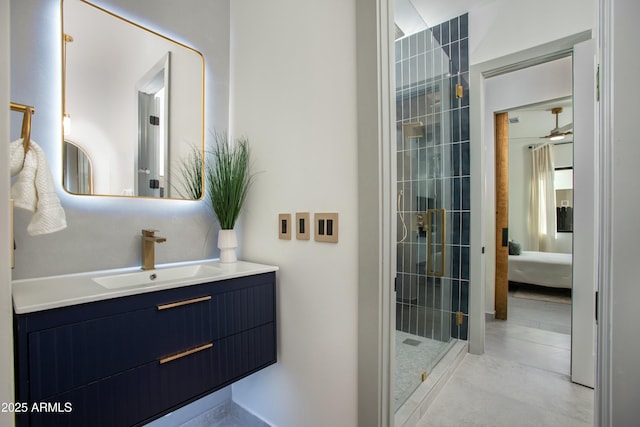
{"x":134,"y":100}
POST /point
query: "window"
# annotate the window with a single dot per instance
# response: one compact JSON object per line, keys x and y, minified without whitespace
{"x":563,"y":184}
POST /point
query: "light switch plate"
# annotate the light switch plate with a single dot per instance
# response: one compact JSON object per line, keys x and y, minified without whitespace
{"x":303,"y":226}
{"x":326,"y":227}
{"x":284,"y":226}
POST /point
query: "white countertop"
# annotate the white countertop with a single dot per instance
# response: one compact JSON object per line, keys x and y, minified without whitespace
{"x":44,"y":293}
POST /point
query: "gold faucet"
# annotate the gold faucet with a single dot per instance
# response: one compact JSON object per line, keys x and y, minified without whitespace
{"x":149,"y":239}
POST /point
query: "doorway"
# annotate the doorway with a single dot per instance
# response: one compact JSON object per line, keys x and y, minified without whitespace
{"x":534,"y":263}
{"x":583,"y":324}
{"x":153,"y":144}
{"x":534,"y":201}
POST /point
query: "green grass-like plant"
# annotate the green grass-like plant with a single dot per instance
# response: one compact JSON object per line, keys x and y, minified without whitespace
{"x":191,"y":172}
{"x":228,"y":178}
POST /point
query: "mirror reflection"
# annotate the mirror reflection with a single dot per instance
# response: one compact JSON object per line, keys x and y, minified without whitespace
{"x":77,"y":175}
{"x":133,"y":102}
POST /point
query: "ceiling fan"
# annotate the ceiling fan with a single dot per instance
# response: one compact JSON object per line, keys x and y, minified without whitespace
{"x":558,"y":133}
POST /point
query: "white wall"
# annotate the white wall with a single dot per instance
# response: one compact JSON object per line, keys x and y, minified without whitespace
{"x":563,"y":153}
{"x":103,"y":232}
{"x":6,"y":318}
{"x":502,"y":27}
{"x":294,"y":96}
{"x":621,"y":135}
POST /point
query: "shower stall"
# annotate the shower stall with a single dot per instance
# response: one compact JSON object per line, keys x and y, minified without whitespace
{"x":433,"y":205}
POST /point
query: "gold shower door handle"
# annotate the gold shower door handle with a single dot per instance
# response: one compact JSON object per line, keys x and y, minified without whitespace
{"x":436,"y":221}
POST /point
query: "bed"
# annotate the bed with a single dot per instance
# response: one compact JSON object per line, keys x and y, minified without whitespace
{"x":541,"y":268}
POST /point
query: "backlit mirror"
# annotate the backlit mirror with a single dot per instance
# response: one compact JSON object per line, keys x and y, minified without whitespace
{"x":133,"y":102}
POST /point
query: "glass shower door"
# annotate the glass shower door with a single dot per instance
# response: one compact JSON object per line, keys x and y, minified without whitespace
{"x":430,"y":206}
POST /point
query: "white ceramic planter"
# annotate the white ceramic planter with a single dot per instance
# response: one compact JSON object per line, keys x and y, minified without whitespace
{"x":227,"y":243}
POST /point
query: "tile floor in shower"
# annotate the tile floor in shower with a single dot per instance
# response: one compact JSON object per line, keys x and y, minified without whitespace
{"x":415,"y":354}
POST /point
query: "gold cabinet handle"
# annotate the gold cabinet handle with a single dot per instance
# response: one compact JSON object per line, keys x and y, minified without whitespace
{"x":185,"y":302}
{"x":185,"y":353}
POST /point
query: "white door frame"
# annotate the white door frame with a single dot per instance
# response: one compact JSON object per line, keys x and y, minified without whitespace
{"x":376,"y":195}
{"x":585,"y":238}
{"x":480,"y":187}
{"x":603,"y":416}
{"x":573,"y":75}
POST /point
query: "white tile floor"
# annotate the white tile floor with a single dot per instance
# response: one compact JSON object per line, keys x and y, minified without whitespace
{"x":412,"y":360}
{"x":521,"y":380}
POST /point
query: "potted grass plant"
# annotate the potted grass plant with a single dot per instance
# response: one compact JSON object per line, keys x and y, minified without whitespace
{"x":228,"y":178}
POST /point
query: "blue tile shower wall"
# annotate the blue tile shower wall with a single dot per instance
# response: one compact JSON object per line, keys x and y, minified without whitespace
{"x":433,"y":172}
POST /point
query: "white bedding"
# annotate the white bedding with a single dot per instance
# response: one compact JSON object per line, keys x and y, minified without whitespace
{"x":541,"y":268}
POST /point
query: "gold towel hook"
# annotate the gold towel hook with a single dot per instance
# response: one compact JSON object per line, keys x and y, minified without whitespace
{"x":28,"y":111}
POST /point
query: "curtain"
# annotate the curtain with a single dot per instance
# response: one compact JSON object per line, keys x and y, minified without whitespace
{"x":542,"y":205}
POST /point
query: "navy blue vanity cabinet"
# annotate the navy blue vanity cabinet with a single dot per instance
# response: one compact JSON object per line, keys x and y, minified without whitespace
{"x":126,"y":361}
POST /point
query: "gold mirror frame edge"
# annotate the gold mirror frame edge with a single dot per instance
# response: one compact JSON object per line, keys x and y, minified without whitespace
{"x":64,"y":79}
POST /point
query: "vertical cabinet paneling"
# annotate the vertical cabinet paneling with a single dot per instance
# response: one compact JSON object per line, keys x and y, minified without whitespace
{"x":139,"y":357}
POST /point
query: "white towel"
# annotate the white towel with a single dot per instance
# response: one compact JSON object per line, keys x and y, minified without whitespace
{"x":35,"y":191}
{"x":17,"y":157}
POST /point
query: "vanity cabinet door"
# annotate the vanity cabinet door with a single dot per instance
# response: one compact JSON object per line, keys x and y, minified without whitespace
{"x":136,"y":396}
{"x":244,"y":308}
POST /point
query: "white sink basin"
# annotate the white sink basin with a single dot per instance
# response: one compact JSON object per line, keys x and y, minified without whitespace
{"x":151,"y":277}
